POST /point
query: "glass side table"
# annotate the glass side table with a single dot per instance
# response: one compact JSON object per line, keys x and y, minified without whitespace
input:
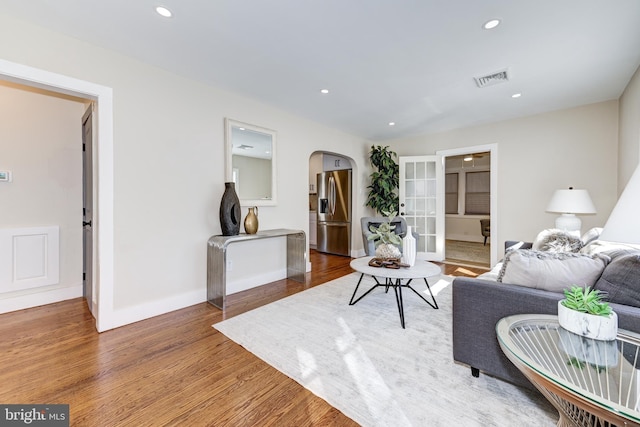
{"x":589,"y":382}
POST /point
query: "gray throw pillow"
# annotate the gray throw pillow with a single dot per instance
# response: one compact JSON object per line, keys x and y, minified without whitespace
{"x":621,"y":279}
{"x":551,"y":271}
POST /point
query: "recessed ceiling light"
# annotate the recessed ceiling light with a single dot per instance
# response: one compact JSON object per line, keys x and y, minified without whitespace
{"x":516,"y":95}
{"x":163,"y":11}
{"x":324,"y":91}
{"x":392,"y":123}
{"x":491,"y":24}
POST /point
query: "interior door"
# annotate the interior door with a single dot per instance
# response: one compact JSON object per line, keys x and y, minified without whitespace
{"x":87,"y":207}
{"x":421,"y":196}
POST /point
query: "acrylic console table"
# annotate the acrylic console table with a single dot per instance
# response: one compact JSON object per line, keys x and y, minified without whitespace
{"x":217,"y":259}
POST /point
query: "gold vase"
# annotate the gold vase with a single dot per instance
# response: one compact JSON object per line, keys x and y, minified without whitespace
{"x":251,"y":221}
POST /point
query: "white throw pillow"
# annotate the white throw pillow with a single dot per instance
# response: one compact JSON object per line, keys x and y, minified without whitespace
{"x":492,"y":274}
{"x":591,"y":235}
{"x":515,"y":246}
{"x":554,"y":240}
{"x":551,"y":271}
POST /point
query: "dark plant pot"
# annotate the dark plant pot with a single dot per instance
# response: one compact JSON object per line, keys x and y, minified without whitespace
{"x":230,"y":211}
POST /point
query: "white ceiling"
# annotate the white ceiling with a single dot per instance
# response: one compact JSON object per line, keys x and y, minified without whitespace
{"x":407,"y":61}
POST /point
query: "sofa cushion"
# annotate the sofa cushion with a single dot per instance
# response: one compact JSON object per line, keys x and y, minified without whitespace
{"x":608,"y":248}
{"x":554,"y":240}
{"x":551,"y":271}
{"x":621,"y":279}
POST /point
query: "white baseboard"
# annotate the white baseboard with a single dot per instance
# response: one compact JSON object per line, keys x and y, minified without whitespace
{"x":39,"y":298}
{"x":144,"y":311}
{"x":243,"y":284}
{"x":155,"y":308}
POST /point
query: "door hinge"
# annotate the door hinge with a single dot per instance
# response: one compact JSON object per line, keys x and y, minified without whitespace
{"x":84,"y":147}
{"x":84,"y":276}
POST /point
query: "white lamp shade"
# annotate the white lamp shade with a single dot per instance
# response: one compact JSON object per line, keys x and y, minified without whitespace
{"x":623,"y":224}
{"x":571,"y":201}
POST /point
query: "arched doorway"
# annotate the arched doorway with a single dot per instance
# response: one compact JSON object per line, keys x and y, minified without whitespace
{"x":330,"y":203}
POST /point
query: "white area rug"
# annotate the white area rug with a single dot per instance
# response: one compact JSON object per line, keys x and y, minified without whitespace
{"x":360,"y":360}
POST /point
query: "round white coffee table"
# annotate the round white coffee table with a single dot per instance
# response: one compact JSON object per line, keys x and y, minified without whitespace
{"x":393,"y":279}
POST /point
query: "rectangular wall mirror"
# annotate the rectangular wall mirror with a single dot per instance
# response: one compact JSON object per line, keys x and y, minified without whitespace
{"x":251,"y":162}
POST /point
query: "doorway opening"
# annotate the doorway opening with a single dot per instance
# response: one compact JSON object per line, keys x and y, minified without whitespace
{"x":470,"y":205}
{"x":102,"y":174}
{"x":331,"y":203}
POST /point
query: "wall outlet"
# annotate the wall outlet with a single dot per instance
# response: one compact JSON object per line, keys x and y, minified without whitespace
{"x":229,"y":265}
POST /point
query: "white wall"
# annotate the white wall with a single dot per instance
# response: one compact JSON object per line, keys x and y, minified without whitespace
{"x":41,"y":144}
{"x":169,"y":161}
{"x":629,"y":149}
{"x":537,"y":155}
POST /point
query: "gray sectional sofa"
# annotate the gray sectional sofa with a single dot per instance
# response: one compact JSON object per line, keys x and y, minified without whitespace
{"x":479,"y":303}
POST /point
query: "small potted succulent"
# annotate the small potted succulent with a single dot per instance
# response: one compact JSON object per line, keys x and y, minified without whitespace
{"x":386,"y":240}
{"x":584,"y":312}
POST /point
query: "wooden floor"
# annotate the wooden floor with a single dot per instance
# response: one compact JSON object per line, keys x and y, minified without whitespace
{"x":173,"y":369}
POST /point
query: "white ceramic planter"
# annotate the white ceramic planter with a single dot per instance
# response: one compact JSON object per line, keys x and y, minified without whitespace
{"x":594,"y":352}
{"x":387,"y":250}
{"x":588,"y":325}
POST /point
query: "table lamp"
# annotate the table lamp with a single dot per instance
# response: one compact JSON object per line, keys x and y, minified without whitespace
{"x":623,"y":225}
{"x":570,"y":202}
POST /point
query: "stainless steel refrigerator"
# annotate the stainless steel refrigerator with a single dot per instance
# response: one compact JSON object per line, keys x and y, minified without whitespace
{"x":334,"y":212}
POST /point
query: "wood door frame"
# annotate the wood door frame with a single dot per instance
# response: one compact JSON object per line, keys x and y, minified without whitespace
{"x":103,"y":231}
{"x":493,"y":149}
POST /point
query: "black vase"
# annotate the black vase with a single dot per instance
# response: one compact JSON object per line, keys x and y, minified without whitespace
{"x":230,"y":211}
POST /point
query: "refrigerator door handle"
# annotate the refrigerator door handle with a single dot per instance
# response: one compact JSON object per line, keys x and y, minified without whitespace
{"x":333,"y":211}
{"x":332,"y":195}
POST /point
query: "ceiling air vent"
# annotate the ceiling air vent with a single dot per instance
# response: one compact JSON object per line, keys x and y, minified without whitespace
{"x":492,"y":79}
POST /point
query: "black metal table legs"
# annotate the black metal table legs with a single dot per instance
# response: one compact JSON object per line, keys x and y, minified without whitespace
{"x":397,"y":286}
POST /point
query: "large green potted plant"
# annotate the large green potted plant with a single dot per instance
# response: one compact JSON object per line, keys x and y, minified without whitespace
{"x":383,"y":196}
{"x":584,"y":312}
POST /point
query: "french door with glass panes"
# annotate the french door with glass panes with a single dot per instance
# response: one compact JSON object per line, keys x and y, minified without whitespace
{"x":422,"y":203}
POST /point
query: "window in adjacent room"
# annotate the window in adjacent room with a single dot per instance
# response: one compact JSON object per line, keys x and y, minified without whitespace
{"x":477,"y":193}
{"x":451,"y":193}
